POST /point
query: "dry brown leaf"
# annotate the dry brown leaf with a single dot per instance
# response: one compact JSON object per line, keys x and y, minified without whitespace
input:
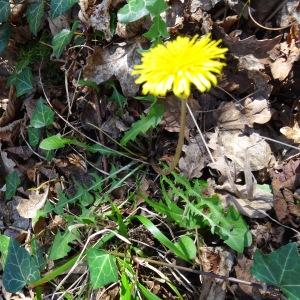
{"x":282,"y":66}
{"x":231,"y":115}
{"x":105,"y":63}
{"x":262,"y":200}
{"x":240,"y":148}
{"x":194,"y":160}
{"x":57,"y":24}
{"x":27,"y":208}
{"x":292,"y":133}
{"x":219,"y":261}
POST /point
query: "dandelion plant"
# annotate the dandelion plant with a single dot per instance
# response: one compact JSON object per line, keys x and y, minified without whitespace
{"x":175,"y":66}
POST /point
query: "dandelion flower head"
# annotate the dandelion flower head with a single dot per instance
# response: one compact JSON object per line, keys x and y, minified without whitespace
{"x":180,"y":63}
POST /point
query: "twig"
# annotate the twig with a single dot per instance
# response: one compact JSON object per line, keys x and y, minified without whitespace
{"x":267,"y":28}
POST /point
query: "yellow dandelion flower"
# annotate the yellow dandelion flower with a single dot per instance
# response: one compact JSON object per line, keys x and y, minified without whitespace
{"x":180,"y":63}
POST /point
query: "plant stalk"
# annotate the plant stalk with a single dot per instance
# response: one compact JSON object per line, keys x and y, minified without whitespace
{"x":180,"y":142}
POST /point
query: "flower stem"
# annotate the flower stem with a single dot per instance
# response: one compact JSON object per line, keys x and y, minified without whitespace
{"x":180,"y":142}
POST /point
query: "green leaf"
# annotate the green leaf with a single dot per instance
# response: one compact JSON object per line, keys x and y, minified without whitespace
{"x":157,"y":30}
{"x":4,"y":36}
{"x":118,"y":98}
{"x":102,"y":267}
{"x":4,"y":244}
{"x":34,"y":15}
{"x":20,"y":268}
{"x":42,"y":115}
{"x":136,"y":9}
{"x":147,"y":294}
{"x":4,"y":10}
{"x":62,"y":39}
{"x":185,"y":203}
{"x":55,"y":142}
{"x":157,"y":7}
{"x":187,"y":246}
{"x":103,"y":150}
{"x":89,"y":83}
{"x":37,"y":255}
{"x":22,"y":81}
{"x":12,"y":181}
{"x":151,"y":120}
{"x":58,"y":7}
{"x":34,"y":136}
{"x":280,"y":268}
{"x":162,"y":238}
{"x":60,"y":247}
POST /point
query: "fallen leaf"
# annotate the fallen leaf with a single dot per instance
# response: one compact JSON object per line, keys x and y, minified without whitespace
{"x":194,"y":159}
{"x":292,"y":133}
{"x":253,"y":208}
{"x":239,"y":148}
{"x":282,"y":66}
{"x":105,"y":63}
{"x":27,"y":208}
{"x":100,"y":18}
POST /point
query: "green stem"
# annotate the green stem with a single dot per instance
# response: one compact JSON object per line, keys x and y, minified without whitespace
{"x":180,"y":142}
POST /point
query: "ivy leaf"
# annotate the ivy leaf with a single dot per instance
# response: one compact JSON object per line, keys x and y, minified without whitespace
{"x":280,"y":268}
{"x":34,"y":135}
{"x":12,"y":181}
{"x":58,"y":7}
{"x":4,"y":10}
{"x":158,"y":29}
{"x":102,"y":267}
{"x":22,"y":81}
{"x":151,"y":120}
{"x":55,"y":142}
{"x":34,"y":15}
{"x":60,"y":247}
{"x":4,"y":36}
{"x":42,"y":115}
{"x":20,"y":268}
{"x":157,"y":7}
{"x":62,"y":39}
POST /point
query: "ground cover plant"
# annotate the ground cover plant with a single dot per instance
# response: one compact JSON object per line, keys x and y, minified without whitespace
{"x":149,"y":149}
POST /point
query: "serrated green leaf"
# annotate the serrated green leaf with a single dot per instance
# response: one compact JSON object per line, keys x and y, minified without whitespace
{"x":4,"y":36}
{"x":62,"y":39}
{"x":60,"y":247}
{"x":58,"y":7}
{"x":102,"y":267}
{"x":12,"y":181}
{"x":34,"y":136}
{"x":4,"y":10}
{"x":55,"y":142}
{"x":22,"y":81}
{"x":280,"y":268}
{"x":34,"y":14}
{"x":151,"y":120}
{"x":201,"y":211}
{"x":42,"y":115}
{"x":157,"y":30}
{"x":187,"y":246}
{"x":96,"y":148}
{"x":118,"y":97}
{"x":20,"y":268}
